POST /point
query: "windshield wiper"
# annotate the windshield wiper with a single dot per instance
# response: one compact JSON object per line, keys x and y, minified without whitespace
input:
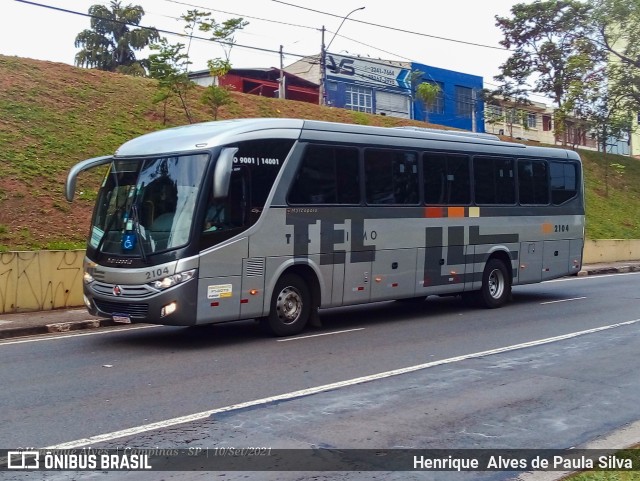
{"x":136,"y":223}
{"x":109,"y":225}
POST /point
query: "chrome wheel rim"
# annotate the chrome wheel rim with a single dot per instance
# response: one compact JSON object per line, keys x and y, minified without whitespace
{"x":496,"y":283}
{"x":289,"y":305}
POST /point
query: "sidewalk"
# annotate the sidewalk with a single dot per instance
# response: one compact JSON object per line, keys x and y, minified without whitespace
{"x":73,"y":319}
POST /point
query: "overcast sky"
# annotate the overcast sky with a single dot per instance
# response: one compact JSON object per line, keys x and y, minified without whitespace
{"x":27,"y":30}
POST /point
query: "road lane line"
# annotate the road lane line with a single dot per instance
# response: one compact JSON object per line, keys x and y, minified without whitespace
{"x":563,"y":300}
{"x":67,"y":336}
{"x":78,"y":443}
{"x":584,"y":278}
{"x":318,"y":335}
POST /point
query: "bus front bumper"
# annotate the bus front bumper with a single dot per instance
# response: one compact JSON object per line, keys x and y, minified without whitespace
{"x":175,"y":306}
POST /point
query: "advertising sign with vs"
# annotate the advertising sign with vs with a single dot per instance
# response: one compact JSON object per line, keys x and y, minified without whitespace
{"x":373,"y":72}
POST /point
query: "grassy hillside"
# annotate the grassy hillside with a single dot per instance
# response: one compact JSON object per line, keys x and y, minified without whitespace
{"x":54,"y":115}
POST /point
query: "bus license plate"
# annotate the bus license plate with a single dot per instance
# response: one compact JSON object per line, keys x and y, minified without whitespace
{"x":122,"y":318}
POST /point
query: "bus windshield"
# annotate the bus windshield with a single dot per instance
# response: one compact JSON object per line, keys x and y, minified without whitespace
{"x":146,"y":206}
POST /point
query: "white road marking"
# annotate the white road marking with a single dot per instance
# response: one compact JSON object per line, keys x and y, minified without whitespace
{"x":326,"y":387}
{"x":596,"y":276}
{"x":67,"y":336}
{"x":318,"y":335}
{"x":563,"y":300}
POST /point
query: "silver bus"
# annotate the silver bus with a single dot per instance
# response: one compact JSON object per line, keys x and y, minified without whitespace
{"x":274,"y":219}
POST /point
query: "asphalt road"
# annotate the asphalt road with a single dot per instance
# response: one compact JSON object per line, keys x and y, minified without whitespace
{"x":554,"y":369}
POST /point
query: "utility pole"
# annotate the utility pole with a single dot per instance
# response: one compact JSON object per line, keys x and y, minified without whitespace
{"x":281,"y":86}
{"x":323,"y":54}
{"x":474,"y":128}
{"x":322,"y":98}
{"x":473,"y":110}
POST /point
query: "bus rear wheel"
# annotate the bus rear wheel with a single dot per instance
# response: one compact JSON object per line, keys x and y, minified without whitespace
{"x":290,"y":306}
{"x":496,"y":285}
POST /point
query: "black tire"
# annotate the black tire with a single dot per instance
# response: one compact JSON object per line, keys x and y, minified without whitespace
{"x":496,"y":285}
{"x":290,"y":306}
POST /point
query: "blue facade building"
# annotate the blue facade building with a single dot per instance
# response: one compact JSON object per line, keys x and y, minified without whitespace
{"x":362,"y":84}
{"x":367,"y":85}
{"x":459,"y":103}
{"x":388,"y":87}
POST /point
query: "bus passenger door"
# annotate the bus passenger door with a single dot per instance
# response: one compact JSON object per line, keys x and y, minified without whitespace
{"x":530,"y":262}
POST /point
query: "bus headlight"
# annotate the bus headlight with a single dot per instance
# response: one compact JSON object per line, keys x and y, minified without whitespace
{"x":87,"y":278}
{"x":173,"y":280}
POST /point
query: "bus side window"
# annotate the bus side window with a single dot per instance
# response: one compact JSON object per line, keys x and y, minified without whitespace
{"x":564,"y":181}
{"x":494,"y":180}
{"x":229,"y":213}
{"x":533,"y":182}
{"x":215,"y":216}
{"x":327,"y":175}
{"x":391,"y":176}
{"x":262,"y":160}
{"x":446,"y":178}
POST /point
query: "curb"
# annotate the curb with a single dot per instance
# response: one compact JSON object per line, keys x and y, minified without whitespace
{"x":57,"y":327}
{"x":610,"y":270}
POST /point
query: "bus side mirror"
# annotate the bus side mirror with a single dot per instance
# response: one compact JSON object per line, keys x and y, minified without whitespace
{"x":70,"y":187}
{"x":222,"y":173}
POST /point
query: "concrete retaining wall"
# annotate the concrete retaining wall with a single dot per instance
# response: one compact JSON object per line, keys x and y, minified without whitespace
{"x":40,"y":280}
{"x":611,"y":250}
{"x":45,"y":280}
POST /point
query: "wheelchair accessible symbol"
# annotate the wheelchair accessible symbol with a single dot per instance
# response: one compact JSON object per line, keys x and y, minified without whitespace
{"x":128,"y":241}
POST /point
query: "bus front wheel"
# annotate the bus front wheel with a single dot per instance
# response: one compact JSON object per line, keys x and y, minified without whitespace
{"x":290,"y":306}
{"x":496,"y":284}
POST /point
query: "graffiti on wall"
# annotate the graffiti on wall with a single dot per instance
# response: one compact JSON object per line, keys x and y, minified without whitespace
{"x":40,"y":280}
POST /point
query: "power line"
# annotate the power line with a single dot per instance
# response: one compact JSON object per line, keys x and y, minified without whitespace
{"x":283,"y":23}
{"x":395,"y":28}
{"x":184,"y":35}
{"x":241,"y":15}
{"x":167,"y":32}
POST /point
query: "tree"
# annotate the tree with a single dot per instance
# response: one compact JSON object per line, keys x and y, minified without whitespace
{"x":223,"y":33}
{"x":215,"y":97}
{"x":427,"y":93}
{"x":111,"y":43}
{"x":553,"y":43}
{"x":618,"y":26}
{"x":168,"y":67}
{"x":511,"y":99}
{"x":610,"y":121}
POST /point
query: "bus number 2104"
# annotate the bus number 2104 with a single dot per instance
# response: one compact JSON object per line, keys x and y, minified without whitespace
{"x":157,"y":273}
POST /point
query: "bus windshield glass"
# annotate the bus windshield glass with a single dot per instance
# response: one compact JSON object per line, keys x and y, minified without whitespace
{"x":146,"y":206}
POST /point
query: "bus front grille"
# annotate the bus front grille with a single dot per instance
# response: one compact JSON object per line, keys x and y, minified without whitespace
{"x":126,"y":290}
{"x":133,"y":310}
